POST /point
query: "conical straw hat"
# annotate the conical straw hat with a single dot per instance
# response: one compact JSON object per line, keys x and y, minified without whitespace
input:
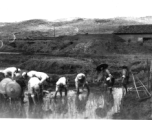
{"x":3,"y":84}
{"x":13,"y":89}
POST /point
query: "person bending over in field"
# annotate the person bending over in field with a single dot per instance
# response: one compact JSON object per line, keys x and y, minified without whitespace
{"x":11,"y":71}
{"x":40,"y":75}
{"x":61,"y":84}
{"x":28,"y":75}
{"x":80,"y":80}
{"x":34,"y":89}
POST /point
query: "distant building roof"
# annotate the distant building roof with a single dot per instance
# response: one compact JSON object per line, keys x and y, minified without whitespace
{"x":134,"y":29}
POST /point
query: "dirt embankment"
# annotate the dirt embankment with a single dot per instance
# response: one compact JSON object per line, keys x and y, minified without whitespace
{"x":132,"y":108}
{"x":79,"y":45}
{"x":70,"y":66}
{"x":73,"y":65}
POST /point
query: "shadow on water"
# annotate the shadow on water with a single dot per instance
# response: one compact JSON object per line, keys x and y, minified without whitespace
{"x":97,"y":104}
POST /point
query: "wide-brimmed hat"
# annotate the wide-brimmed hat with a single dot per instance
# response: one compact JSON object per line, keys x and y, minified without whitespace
{"x":13,"y":89}
{"x":101,"y":66}
{"x":3,"y":84}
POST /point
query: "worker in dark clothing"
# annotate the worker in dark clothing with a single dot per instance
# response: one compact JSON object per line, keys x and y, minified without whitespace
{"x":106,"y":75}
{"x":125,"y":77}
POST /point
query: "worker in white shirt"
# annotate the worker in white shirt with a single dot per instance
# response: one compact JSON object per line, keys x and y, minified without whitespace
{"x":125,"y":76}
{"x":41,"y":75}
{"x":12,"y":71}
{"x":34,"y":89}
{"x":29,"y":74}
{"x":81,"y":80}
{"x":61,"y":84}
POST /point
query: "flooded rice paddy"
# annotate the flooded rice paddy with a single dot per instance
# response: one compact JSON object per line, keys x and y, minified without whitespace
{"x":97,"y":104}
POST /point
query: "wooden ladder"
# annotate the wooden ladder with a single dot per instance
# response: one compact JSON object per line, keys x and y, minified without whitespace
{"x":138,"y":87}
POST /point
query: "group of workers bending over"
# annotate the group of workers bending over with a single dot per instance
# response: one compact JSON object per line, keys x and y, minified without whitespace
{"x":34,"y":80}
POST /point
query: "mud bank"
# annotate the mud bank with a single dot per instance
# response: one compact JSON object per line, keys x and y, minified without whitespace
{"x":132,"y":108}
{"x":69,"y":66}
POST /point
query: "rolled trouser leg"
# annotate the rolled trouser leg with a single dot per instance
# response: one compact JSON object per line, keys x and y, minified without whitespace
{"x":87,"y":87}
{"x":41,"y":89}
{"x":60,"y":92}
{"x":56,"y":90}
{"x":66,"y":90}
{"x":22,"y":96}
{"x":22,"y":99}
{"x":33,"y":98}
{"x":77,"y":87}
{"x":55,"y":94}
{"x":110,"y":85}
{"x":125,"y":81}
{"x":125,"y":86}
{"x":110,"y":88}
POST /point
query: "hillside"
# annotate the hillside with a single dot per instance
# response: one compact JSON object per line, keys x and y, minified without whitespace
{"x":79,"y":25}
{"x":82,"y":45}
{"x":24,"y":29}
{"x":77,"y":36}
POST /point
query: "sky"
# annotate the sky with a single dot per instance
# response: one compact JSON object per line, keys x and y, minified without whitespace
{"x":20,"y":10}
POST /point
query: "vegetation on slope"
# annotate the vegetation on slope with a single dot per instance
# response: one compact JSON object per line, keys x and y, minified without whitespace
{"x":80,"y":26}
{"x":71,"y":37}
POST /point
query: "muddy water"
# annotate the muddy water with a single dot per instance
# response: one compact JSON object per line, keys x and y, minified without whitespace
{"x":97,"y":104}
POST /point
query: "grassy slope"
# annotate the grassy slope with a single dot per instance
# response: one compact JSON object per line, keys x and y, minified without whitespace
{"x":41,"y":29}
{"x":94,"y":26}
{"x":84,"y":45}
{"x":80,"y":26}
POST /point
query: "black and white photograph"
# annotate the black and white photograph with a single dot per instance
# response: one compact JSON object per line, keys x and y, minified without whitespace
{"x":76,"y":59}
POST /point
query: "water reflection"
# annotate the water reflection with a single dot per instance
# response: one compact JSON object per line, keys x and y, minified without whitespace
{"x":117,"y":96}
{"x":105,"y":104}
{"x":59,"y":106}
{"x":97,"y":104}
{"x":34,"y":111}
{"x":81,"y":101}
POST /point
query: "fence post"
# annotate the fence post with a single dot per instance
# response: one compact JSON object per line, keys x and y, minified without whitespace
{"x":148,"y":70}
{"x":150,"y":75}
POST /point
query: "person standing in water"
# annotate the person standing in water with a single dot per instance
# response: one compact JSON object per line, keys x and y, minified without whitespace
{"x":125,"y":77}
{"x":107,"y":78}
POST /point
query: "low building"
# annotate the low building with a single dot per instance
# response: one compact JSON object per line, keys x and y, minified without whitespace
{"x":135,"y":33}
